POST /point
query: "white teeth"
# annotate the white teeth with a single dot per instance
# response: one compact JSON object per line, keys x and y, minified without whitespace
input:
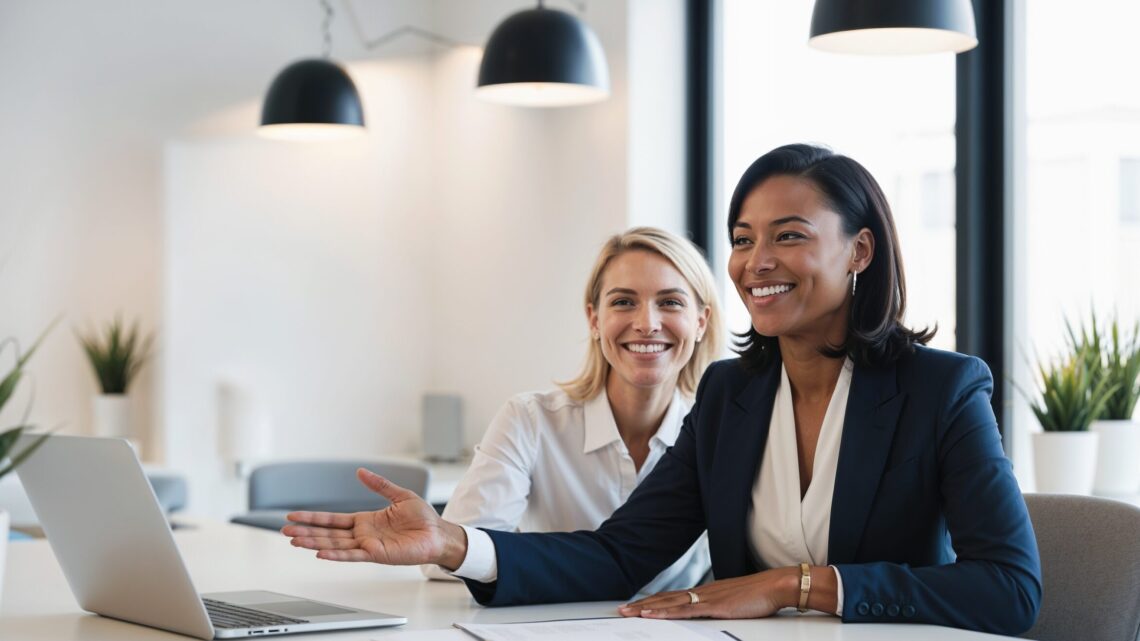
{"x":646,"y":349}
{"x":770,"y":291}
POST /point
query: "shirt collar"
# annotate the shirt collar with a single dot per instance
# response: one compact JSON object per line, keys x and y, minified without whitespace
{"x":601,"y":429}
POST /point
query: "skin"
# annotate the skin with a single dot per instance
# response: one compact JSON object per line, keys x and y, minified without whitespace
{"x":644,"y":300}
{"x":786,"y":235}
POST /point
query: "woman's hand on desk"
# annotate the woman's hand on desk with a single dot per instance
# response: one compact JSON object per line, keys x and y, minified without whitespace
{"x":746,"y":597}
{"x":407,"y":532}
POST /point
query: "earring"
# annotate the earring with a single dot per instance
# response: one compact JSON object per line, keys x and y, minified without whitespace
{"x":597,"y":336}
{"x":854,"y":279}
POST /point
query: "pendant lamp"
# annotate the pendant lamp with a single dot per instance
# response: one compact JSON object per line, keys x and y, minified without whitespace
{"x":893,"y":26}
{"x":313,"y":99}
{"x":543,"y":58}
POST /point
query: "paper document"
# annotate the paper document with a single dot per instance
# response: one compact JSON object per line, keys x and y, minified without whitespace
{"x":619,"y":629}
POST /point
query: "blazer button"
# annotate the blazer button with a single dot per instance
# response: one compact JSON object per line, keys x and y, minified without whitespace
{"x":862,"y":608}
{"x":908,"y":610}
{"x":893,"y":610}
{"x":877,"y":609}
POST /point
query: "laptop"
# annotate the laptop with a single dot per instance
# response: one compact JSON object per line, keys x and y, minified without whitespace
{"x":116,"y":549}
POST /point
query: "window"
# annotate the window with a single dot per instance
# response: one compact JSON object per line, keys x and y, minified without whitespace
{"x":1077,"y":233}
{"x":1130,"y":190}
{"x":895,"y":115}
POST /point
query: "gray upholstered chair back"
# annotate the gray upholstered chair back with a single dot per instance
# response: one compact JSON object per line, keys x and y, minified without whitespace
{"x":1090,"y":562}
{"x":329,"y":486}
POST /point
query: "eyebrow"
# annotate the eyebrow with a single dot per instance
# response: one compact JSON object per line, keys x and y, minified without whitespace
{"x":661,"y":292}
{"x":780,"y":221}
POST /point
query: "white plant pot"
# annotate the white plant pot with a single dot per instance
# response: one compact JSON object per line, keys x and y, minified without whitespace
{"x":112,"y":415}
{"x":1065,"y":462}
{"x":4,"y":519}
{"x":1118,"y":457}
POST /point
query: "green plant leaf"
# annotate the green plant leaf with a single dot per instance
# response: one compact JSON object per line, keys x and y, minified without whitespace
{"x":116,"y":354}
{"x":8,"y":440}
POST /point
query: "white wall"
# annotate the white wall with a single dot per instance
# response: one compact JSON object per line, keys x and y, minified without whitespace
{"x":92,"y":91}
{"x":445,"y":252}
{"x":524,"y":199}
{"x":295,"y":272}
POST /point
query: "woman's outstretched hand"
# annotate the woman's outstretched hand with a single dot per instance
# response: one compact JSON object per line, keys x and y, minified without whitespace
{"x":407,"y":532}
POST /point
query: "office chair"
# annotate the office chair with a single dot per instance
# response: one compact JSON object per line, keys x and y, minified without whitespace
{"x":324,"y":486}
{"x":1090,"y":566}
{"x":170,"y":489}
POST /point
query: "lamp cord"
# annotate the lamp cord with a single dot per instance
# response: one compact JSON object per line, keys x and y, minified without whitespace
{"x":411,"y":30}
{"x":385,"y":38}
{"x":326,"y":27}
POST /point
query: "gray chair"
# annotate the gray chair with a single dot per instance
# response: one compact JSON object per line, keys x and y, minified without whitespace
{"x":170,"y":489}
{"x":324,"y":486}
{"x":1090,"y":565}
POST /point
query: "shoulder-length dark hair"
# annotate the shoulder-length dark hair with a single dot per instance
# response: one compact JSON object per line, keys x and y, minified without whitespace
{"x":876,"y":335}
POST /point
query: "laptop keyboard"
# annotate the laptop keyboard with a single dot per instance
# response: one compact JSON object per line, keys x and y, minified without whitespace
{"x":228,"y":615}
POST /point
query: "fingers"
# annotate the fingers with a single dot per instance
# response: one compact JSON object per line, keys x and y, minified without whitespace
{"x":687,"y":611}
{"x":659,"y":600}
{"x":322,"y":519}
{"x":344,"y":555}
{"x":384,"y":487}
{"x":302,"y":530}
{"x":668,"y":605}
{"x":324,"y":543}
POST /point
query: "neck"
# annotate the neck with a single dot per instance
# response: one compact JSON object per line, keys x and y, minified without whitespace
{"x":638,"y":411}
{"x":812,"y":375}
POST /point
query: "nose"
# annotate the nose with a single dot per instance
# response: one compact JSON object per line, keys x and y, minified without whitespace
{"x":648,"y":320}
{"x":760,"y":260}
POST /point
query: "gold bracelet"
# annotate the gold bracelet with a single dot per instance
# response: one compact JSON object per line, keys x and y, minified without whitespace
{"x":805,"y":586}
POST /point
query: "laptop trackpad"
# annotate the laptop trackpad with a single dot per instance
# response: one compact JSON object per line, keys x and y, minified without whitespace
{"x":302,"y":609}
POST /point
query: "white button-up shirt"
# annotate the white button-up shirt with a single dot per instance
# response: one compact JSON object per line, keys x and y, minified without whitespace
{"x":549,"y":463}
{"x":783,"y":528}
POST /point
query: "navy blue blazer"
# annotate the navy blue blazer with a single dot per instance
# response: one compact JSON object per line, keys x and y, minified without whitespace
{"x":928,"y":524}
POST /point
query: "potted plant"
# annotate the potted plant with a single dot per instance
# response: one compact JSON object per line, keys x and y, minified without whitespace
{"x":1118,"y":458}
{"x":1067,"y":400}
{"x":9,"y":457}
{"x":116,"y":354}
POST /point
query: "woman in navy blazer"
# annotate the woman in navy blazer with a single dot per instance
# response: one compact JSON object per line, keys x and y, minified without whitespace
{"x":927,"y":523}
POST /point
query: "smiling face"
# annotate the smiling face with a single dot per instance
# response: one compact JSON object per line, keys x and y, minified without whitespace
{"x":792,"y":262}
{"x":647,"y":320}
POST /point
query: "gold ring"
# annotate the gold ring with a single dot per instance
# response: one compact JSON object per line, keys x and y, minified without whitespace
{"x":693,"y":598}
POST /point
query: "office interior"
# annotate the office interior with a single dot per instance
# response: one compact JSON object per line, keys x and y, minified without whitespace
{"x":310,"y":295}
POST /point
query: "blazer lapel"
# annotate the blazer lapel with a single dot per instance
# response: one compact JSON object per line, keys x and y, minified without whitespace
{"x":869,"y":424}
{"x":740,"y":446}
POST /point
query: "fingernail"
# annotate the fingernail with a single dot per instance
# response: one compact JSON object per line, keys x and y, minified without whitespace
{"x":647,"y":611}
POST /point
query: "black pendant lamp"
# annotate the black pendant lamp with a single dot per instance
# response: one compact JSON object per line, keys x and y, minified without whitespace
{"x":313,"y":99}
{"x":543,"y":58}
{"x":893,"y":26}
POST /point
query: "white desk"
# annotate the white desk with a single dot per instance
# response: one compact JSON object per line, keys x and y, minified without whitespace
{"x":37,"y":604}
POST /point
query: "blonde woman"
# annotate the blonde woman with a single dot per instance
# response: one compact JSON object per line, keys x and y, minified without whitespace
{"x":565,"y":459}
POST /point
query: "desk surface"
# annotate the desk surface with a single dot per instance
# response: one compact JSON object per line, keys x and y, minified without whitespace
{"x":37,"y":604}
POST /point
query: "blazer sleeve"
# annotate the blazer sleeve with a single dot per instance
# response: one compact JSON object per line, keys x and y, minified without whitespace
{"x":659,"y":523}
{"x":995,"y":583}
{"x":495,"y":489}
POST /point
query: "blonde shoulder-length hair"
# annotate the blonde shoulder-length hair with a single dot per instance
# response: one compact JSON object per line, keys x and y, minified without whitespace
{"x":687,"y":259}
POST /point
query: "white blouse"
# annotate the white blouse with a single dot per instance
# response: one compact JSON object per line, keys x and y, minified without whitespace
{"x":549,"y":463}
{"x":785,"y":530}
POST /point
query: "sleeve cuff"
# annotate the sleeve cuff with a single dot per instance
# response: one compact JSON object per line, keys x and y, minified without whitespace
{"x":839,"y":590}
{"x":480,"y":564}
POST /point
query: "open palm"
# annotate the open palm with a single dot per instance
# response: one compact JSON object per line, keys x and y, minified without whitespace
{"x":407,"y":532}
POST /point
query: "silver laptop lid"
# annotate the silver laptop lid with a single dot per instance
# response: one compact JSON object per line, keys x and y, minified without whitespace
{"x":110,"y":535}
